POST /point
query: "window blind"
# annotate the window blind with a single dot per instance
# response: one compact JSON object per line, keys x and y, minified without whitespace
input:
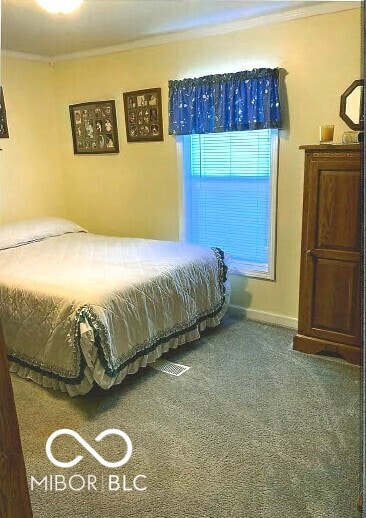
{"x":227,"y":187}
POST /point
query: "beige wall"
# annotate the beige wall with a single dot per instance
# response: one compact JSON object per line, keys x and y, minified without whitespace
{"x":137,"y":192}
{"x":30,"y":175}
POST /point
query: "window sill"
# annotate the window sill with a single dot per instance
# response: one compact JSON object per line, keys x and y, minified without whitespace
{"x":258,"y":271}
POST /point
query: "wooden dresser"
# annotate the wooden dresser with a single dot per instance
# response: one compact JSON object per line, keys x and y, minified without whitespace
{"x":330,"y":274}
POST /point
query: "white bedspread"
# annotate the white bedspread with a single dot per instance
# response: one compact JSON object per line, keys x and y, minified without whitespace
{"x":80,"y":308}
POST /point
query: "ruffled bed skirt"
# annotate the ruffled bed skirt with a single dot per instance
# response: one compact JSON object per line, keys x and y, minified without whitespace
{"x":94,"y":371}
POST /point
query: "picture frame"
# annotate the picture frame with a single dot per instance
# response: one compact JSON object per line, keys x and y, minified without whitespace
{"x":94,"y":127}
{"x":143,"y":115}
{"x":4,"y":131}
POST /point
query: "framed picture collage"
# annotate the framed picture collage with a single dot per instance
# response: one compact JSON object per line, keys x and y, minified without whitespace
{"x":94,"y":127}
{"x":143,"y":115}
{"x":4,"y":133}
{"x":94,"y":124}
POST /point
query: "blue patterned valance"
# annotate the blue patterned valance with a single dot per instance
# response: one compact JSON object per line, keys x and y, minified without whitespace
{"x":247,"y":100}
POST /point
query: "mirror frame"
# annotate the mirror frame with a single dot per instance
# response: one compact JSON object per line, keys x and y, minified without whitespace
{"x":342,"y":112}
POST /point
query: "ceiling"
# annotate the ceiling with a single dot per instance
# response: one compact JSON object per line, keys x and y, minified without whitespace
{"x":101,"y":24}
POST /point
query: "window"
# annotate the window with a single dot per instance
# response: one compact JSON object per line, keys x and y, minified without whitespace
{"x":230,"y":196}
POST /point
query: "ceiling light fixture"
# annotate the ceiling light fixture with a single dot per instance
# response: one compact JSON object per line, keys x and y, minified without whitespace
{"x":60,"y":6}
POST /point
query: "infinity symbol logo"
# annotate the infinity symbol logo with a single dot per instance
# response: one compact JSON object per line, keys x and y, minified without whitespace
{"x":111,"y":431}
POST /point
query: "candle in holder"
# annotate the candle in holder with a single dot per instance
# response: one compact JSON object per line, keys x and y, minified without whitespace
{"x":326,"y":134}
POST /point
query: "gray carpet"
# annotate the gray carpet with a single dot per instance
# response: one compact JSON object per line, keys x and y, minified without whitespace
{"x":253,"y":429}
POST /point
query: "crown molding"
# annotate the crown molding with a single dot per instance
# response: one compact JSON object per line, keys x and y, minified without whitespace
{"x":326,"y":7}
{"x":26,"y":57}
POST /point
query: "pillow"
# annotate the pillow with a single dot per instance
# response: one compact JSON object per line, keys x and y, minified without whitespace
{"x":28,"y":231}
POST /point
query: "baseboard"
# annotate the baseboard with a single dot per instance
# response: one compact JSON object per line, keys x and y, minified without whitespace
{"x":263,"y":316}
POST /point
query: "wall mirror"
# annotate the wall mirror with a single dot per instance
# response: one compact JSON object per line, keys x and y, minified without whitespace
{"x":351,"y":109}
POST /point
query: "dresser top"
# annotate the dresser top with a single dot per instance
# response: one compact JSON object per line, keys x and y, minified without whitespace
{"x":334,"y":147}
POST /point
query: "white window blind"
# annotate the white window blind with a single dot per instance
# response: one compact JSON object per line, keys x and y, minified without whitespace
{"x":229,"y":191}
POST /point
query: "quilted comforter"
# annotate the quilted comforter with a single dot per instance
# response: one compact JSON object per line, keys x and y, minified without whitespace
{"x":78,"y":308}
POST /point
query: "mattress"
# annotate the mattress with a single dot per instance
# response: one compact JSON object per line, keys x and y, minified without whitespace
{"x":79,"y":309}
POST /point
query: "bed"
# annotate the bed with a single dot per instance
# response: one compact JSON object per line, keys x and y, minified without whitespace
{"x":79,"y":309}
